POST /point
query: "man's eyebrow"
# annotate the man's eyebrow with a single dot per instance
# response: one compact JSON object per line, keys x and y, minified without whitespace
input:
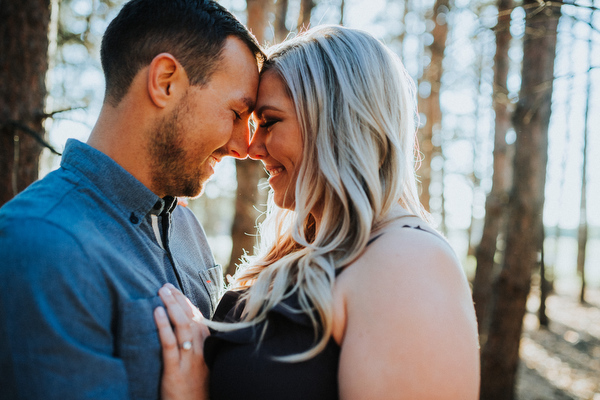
{"x":249,"y":103}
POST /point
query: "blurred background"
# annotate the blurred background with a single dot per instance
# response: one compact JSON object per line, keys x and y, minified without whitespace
{"x":508,"y":95}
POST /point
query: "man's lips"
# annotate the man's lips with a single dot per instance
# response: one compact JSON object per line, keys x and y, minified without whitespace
{"x":213,"y":161}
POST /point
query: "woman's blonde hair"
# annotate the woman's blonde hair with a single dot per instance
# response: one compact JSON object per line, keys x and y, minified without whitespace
{"x":355,"y":106}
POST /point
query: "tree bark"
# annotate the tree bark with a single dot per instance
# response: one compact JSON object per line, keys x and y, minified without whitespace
{"x":496,"y":201}
{"x":306,"y":7}
{"x":23,"y":66}
{"x":430,"y":106}
{"x":500,"y":356}
{"x":243,"y":231}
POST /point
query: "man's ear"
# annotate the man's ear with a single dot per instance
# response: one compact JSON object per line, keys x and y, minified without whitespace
{"x":167,"y":79}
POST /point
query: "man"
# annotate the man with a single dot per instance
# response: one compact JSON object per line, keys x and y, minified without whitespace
{"x":84,"y":251}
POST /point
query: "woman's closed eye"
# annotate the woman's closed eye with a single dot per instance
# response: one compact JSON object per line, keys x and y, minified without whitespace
{"x":268,"y":123}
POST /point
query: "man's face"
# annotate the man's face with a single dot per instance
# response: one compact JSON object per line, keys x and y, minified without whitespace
{"x":207,"y":124}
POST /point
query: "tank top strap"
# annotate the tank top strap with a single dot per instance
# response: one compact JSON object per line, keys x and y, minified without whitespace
{"x":374,"y":238}
{"x":416,"y":227}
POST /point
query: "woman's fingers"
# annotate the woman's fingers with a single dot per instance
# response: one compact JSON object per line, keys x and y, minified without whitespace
{"x":177,"y":313}
{"x":185,"y":373}
{"x":186,"y":305}
{"x":185,"y":376}
{"x":190,"y":330}
{"x":168,"y":341}
{"x":179,"y":318}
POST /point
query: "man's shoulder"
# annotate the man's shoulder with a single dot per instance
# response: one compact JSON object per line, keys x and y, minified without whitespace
{"x":38,"y":247}
{"x":62,"y":198}
{"x":45,"y":215}
{"x":43,"y":196}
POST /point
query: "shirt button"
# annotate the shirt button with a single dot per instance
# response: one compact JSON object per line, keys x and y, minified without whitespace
{"x":134,"y":219}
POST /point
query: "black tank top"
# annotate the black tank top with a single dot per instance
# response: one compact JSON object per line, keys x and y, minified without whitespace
{"x":240,"y":368}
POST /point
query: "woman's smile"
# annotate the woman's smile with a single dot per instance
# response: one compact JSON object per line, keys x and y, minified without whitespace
{"x":273,"y":171}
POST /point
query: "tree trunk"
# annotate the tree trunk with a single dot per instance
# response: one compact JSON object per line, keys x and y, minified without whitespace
{"x":23,"y":66}
{"x":544,"y":284}
{"x":243,"y":231}
{"x":566,"y":149}
{"x":496,"y":201}
{"x":430,"y":106}
{"x":258,"y":17}
{"x":476,"y":147}
{"x":500,"y":356}
{"x":281,"y":30}
{"x":306,"y":7}
{"x":443,"y":226}
{"x":582,"y":234}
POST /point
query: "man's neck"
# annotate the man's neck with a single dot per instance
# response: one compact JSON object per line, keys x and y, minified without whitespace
{"x":120,"y":134}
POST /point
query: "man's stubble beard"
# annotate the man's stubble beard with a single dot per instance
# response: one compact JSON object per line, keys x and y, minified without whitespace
{"x":174,"y":171}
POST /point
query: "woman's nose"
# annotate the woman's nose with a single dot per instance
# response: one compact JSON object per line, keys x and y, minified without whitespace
{"x":257,"y":149}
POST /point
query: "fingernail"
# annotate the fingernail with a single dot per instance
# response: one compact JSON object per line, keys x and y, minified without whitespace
{"x":161,"y":312}
{"x":170,"y":286}
{"x":163,"y":290}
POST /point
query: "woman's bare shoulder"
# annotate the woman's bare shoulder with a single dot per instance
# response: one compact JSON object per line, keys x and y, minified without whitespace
{"x":408,"y":246}
{"x":407,"y":304}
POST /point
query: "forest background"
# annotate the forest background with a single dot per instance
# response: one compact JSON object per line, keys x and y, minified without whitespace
{"x":508,"y":97}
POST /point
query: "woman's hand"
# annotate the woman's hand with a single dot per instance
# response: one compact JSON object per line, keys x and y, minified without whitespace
{"x":185,"y":374}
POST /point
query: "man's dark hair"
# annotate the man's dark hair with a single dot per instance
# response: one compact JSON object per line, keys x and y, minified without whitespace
{"x":193,"y":31}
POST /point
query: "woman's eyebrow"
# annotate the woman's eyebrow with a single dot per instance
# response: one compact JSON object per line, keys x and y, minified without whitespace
{"x":262,"y":109}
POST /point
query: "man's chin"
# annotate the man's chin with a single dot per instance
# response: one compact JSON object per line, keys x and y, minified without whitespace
{"x":197,"y":191}
{"x":188,"y":188}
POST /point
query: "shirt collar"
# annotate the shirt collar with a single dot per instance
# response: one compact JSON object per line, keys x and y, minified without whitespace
{"x":163,"y":206}
{"x":119,"y":186}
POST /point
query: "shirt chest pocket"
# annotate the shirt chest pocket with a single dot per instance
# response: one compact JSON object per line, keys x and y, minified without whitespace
{"x":212,"y":279}
{"x":137,"y":345}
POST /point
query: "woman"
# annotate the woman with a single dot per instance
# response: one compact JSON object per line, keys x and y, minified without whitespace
{"x":351,"y":293}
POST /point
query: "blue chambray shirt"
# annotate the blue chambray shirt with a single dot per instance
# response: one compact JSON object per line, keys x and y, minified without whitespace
{"x":83,"y":253}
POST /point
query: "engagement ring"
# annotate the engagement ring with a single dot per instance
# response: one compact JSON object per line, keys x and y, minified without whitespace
{"x":187,"y":345}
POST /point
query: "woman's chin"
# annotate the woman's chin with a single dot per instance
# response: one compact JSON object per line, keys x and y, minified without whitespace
{"x":282,"y":202}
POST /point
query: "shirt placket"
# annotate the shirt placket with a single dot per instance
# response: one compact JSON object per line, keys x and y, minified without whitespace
{"x":165,"y":218}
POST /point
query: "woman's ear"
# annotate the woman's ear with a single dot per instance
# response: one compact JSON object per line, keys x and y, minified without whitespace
{"x":167,"y":79}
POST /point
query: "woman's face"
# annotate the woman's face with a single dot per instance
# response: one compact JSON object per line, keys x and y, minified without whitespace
{"x":277,"y":141}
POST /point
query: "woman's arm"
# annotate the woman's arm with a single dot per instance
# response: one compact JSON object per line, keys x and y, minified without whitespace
{"x":185,"y":375}
{"x":409,"y":328}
